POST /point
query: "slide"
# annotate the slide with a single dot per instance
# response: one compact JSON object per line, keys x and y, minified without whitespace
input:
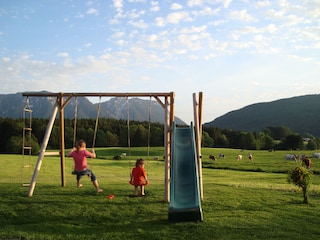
{"x":185,"y":203}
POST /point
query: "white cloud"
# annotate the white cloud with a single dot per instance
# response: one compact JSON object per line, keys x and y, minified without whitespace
{"x":207,"y":11}
{"x":176,"y":17}
{"x":120,"y":42}
{"x":153,"y":38}
{"x":191,"y":41}
{"x":271,"y":28}
{"x":259,"y":37}
{"x":139,"y":24}
{"x":262,"y":4}
{"x":145,"y":78}
{"x":192,"y":3}
{"x":194,"y":29}
{"x":118,"y":4}
{"x":293,"y":20}
{"x":160,"y":22}
{"x":273,"y":14}
{"x":118,"y":34}
{"x":136,"y":14}
{"x":241,"y":15}
{"x":93,"y":11}
{"x":63,"y":54}
{"x":217,"y":22}
{"x":176,"y":6}
{"x":225,"y":3}
{"x":6,"y":59}
{"x":154,"y":6}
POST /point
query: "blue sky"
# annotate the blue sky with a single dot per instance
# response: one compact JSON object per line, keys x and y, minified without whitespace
{"x":236,"y":52}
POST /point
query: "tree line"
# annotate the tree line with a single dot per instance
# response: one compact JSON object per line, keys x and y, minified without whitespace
{"x":114,"y":132}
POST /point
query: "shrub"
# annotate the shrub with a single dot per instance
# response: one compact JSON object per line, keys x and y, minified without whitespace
{"x":301,"y":177}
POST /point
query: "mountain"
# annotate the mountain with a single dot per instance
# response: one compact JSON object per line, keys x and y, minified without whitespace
{"x":11,"y":106}
{"x":301,"y":114}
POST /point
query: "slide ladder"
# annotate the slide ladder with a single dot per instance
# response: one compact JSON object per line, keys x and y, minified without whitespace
{"x":185,"y":202}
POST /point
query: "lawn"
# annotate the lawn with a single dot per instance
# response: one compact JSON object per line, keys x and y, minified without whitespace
{"x":242,"y":200}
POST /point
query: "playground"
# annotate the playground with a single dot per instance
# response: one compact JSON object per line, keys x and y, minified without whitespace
{"x":227,"y":199}
{"x":183,"y":169}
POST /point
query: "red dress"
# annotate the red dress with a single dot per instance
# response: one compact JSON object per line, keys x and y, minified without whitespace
{"x":139,"y":176}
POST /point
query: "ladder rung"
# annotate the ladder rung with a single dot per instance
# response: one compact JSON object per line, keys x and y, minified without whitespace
{"x":26,"y":166}
{"x":27,"y":110}
{"x":25,"y":184}
{"x":27,"y":148}
{"x":27,"y":129}
{"x":51,"y":153}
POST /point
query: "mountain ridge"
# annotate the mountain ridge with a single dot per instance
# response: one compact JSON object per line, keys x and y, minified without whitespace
{"x":301,"y":114}
{"x":11,"y":106}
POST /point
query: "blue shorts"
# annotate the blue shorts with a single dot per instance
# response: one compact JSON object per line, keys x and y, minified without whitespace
{"x":85,"y":172}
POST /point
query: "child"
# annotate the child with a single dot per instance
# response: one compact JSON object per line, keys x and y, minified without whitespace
{"x":80,"y":154}
{"x":139,"y":177}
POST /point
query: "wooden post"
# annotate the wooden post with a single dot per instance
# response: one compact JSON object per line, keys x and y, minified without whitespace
{"x":61,"y":140}
{"x":167,"y":153}
{"x":42,"y":151}
{"x":197,"y":120}
{"x":169,"y":118}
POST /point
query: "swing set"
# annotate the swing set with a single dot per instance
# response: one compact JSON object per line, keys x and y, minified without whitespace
{"x":166,"y":100}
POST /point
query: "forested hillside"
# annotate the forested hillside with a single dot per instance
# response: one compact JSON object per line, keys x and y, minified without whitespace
{"x":110,"y":133}
{"x":300,"y":114}
{"x":113,"y":133}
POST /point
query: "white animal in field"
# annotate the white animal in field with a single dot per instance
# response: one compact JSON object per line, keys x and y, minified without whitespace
{"x":291,"y":157}
{"x":239,"y":157}
{"x":316,"y":155}
{"x":250,"y":157}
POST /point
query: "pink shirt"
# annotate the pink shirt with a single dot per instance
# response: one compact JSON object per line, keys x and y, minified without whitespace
{"x":80,"y":160}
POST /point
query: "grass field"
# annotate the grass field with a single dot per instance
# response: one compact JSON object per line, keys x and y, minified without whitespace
{"x":242,"y":200}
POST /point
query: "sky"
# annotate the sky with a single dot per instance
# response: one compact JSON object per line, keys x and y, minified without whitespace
{"x":237,"y":52}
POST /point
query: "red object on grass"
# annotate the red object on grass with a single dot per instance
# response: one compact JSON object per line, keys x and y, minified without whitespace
{"x":111,"y":196}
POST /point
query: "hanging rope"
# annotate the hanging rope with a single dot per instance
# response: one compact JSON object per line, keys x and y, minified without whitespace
{"x":75,"y":122}
{"x":96,"y":125}
{"x":149,"y":128}
{"x":128,"y":130}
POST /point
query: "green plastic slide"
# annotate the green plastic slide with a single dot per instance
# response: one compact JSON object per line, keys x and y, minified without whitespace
{"x":185,"y":203}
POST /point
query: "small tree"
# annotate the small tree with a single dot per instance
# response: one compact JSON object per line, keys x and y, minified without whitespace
{"x":301,"y":177}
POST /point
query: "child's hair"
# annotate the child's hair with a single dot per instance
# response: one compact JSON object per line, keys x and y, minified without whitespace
{"x":139,"y":162}
{"x":80,"y":144}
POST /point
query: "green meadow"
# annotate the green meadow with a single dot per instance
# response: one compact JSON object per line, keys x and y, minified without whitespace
{"x":242,"y":199}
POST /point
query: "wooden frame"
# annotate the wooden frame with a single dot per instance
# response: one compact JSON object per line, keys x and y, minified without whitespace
{"x":61,"y":103}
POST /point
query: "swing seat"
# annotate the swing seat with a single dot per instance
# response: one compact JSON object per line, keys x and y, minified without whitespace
{"x":85,"y":172}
